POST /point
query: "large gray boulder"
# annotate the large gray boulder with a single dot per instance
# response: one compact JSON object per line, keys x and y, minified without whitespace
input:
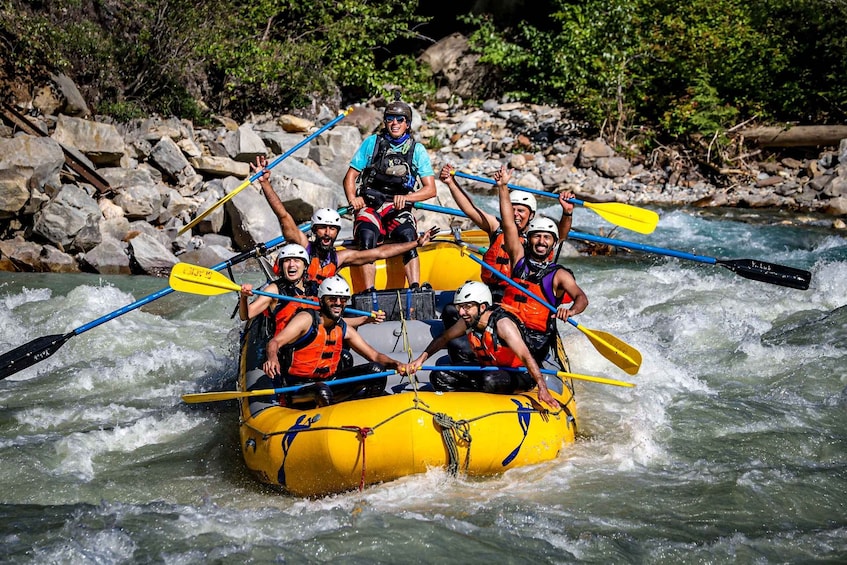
{"x":150,"y":256}
{"x":251,"y":219}
{"x":99,"y":142}
{"x":65,"y":216}
{"x":111,"y":257}
{"x":27,"y":161}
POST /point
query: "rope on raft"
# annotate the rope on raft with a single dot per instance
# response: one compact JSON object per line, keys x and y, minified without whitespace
{"x":452,"y":431}
{"x":449,"y":429}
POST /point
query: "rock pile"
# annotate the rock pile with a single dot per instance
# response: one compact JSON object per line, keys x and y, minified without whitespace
{"x":163,"y":172}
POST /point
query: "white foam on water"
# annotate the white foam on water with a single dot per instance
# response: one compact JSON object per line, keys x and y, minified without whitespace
{"x":83,"y":545}
{"x":71,"y":416}
{"x":78,"y":452}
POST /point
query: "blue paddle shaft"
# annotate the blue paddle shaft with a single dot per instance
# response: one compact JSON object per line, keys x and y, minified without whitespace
{"x":594,"y":238}
{"x":574,"y":201}
{"x":258,"y":174}
{"x":310,"y":302}
{"x":641,"y":247}
{"x":333,"y":382}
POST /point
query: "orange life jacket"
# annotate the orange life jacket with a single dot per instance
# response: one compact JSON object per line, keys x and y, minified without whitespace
{"x":315,"y":355}
{"x":486,"y":343}
{"x":533,"y":314}
{"x":285,"y":310}
{"x":318,"y":271}
{"x":497,"y":257}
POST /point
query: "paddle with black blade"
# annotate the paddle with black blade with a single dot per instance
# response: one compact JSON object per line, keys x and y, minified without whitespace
{"x":41,"y":348}
{"x":196,"y":397}
{"x":186,"y":277}
{"x":626,"y":216}
{"x":615,"y":350}
{"x":753,"y":269}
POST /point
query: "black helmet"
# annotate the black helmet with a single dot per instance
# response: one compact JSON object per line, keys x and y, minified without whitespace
{"x":398,"y":108}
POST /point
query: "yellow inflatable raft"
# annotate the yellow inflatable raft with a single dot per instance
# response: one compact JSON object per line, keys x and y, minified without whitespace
{"x":442,"y":266}
{"x":349,"y":445}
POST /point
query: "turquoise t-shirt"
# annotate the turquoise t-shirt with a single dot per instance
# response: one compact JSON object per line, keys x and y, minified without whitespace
{"x":421,"y":163}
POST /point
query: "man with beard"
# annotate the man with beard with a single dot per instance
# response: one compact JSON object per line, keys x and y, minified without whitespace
{"x":524,"y":207}
{"x":497,"y":339}
{"x":291,"y":264}
{"x":324,"y":260}
{"x":308,"y":350}
{"x":387,"y":167}
{"x":532,"y":269}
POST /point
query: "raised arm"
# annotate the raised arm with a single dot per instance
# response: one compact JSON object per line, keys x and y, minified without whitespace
{"x":286,"y":222}
{"x":486,"y":222}
{"x":567,"y":215}
{"x":511,"y":237}
{"x":511,"y":336}
{"x":353,"y":257}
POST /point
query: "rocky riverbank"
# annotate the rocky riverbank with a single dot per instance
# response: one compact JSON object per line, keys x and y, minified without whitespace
{"x":157,"y":174}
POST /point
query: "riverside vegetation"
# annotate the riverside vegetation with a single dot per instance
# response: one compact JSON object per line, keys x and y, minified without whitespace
{"x":585,"y":104}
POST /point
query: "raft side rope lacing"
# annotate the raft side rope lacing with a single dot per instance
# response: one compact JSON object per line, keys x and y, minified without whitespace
{"x":449,"y":429}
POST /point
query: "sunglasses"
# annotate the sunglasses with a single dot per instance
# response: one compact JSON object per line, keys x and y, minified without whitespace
{"x":398,"y":119}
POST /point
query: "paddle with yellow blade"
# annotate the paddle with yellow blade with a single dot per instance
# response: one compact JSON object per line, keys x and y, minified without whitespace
{"x":560,"y":374}
{"x":626,"y":216}
{"x":186,"y":277}
{"x":41,"y":348}
{"x":618,"y":352}
{"x":258,"y":174}
{"x":197,"y":397}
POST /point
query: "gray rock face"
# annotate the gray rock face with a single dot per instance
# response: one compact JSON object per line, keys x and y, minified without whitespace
{"x":99,"y":142}
{"x":27,"y":163}
{"x":109,"y":258}
{"x":150,"y":256}
{"x":66,"y":215}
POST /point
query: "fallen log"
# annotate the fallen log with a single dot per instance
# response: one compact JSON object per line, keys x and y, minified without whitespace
{"x":795,"y":136}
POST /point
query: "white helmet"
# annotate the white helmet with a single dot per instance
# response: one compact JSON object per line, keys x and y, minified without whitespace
{"x":334,"y":286}
{"x":473,"y":291}
{"x":326,"y":217}
{"x":542,"y":224}
{"x":525,"y":198}
{"x":293,"y":251}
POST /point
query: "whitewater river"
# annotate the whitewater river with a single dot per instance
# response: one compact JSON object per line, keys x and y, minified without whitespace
{"x":732,"y":448}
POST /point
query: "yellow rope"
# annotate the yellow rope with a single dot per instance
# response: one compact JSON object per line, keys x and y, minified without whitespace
{"x":413,"y":380}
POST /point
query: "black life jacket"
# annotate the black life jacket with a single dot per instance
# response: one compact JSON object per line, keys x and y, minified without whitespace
{"x":389,"y":173}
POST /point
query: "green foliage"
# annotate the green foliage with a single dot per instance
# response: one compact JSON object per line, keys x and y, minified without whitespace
{"x":293,"y":51}
{"x":691,"y":67}
{"x":627,"y":66}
